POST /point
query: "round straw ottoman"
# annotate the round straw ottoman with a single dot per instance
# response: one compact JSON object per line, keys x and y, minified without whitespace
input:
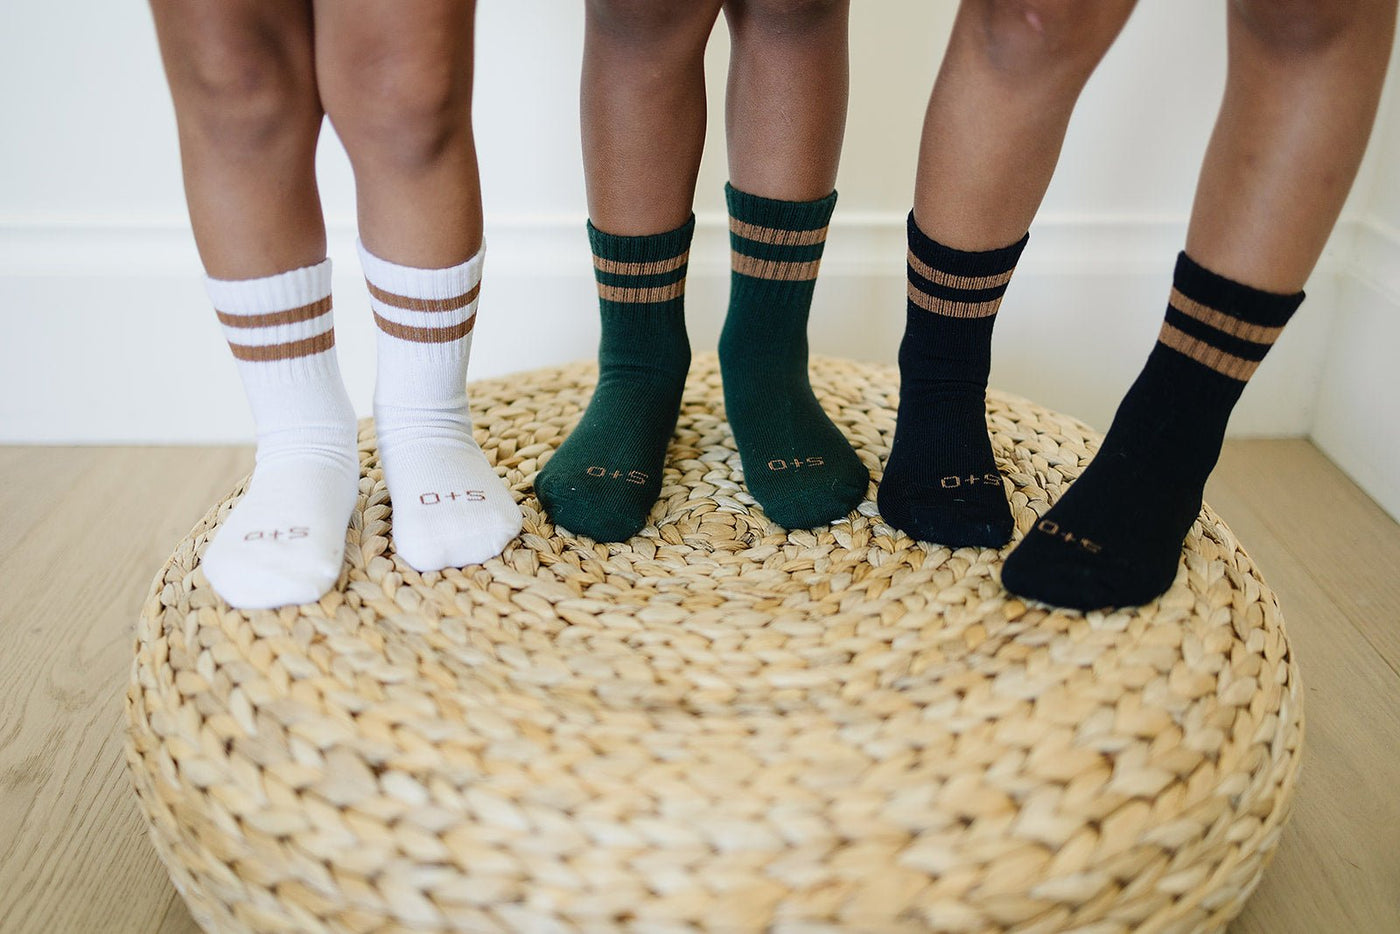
{"x":718,"y":725}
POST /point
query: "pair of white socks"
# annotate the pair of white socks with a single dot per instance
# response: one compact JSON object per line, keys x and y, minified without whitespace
{"x":284,"y":541}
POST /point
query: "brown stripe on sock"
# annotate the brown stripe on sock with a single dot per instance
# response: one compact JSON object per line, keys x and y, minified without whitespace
{"x":949,"y":309}
{"x":264,"y":353}
{"x":775,"y":269}
{"x":1257,"y":333}
{"x":948,"y":279}
{"x":424,"y":304}
{"x":273,"y":318}
{"x":443,"y":335}
{"x":776,"y":235}
{"x":653,"y":268}
{"x":1226,"y":364}
{"x":659,"y":293}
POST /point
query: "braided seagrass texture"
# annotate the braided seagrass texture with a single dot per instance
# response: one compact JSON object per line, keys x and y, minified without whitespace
{"x":718,"y":725}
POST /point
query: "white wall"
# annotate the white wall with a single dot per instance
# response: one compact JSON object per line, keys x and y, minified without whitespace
{"x":103,"y":313}
{"x":1357,"y":422}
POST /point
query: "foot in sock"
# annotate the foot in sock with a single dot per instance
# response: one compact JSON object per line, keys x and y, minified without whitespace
{"x":284,"y":541}
{"x":605,"y":477}
{"x":450,"y":508}
{"x":941,"y":482}
{"x":797,"y":464}
{"x":1114,"y":538}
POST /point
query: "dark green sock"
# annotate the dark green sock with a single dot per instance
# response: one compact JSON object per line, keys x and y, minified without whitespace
{"x":606,"y":475}
{"x":797,"y":464}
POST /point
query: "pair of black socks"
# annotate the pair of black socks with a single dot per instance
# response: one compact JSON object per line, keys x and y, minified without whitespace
{"x":1114,"y":538}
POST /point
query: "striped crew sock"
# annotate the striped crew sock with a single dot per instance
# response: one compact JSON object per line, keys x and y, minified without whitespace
{"x":941,"y":483}
{"x":284,"y":541}
{"x":450,"y":508}
{"x":1114,"y":538}
{"x":797,"y":464}
{"x":604,"y":478}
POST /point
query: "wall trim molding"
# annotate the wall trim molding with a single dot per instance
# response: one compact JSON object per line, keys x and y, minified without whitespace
{"x":148,"y":364}
{"x":1372,"y":255}
{"x":89,"y":246}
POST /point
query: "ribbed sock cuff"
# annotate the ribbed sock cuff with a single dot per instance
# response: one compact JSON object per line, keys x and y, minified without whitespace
{"x":963,"y":262}
{"x":644,"y":248}
{"x":1268,"y":309}
{"x":781,"y":215}
{"x":429,"y":284}
{"x":279,"y":292}
{"x":280,"y":328}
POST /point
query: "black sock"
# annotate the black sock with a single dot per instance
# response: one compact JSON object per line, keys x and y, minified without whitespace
{"x":1114,"y":538}
{"x":941,"y":483}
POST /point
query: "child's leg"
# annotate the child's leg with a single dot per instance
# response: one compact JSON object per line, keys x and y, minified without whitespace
{"x":643,"y":106}
{"x":995,"y":123}
{"x":643,"y":111}
{"x":788,"y":57}
{"x":396,"y":83}
{"x":1304,"y":81}
{"x":244,"y":88}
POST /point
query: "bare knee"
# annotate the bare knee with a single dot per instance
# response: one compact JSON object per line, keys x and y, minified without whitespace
{"x":1033,"y":36}
{"x":241,"y":95}
{"x":649,"y":22}
{"x":795,"y":16}
{"x":401,"y":110}
{"x":1301,"y":27}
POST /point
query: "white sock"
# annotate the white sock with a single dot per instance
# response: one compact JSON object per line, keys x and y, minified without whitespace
{"x":450,"y":508}
{"x":284,"y":542}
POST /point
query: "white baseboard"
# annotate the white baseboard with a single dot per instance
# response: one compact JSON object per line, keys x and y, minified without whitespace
{"x":108,"y":337}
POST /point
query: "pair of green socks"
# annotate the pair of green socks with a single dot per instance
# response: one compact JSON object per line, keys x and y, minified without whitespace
{"x":605,"y":477}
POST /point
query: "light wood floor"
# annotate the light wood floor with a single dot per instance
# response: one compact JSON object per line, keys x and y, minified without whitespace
{"x":82,"y":531}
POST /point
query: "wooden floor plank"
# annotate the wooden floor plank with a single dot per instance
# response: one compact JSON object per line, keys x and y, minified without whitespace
{"x":1335,"y":868}
{"x":36,"y":482}
{"x":87,"y":528}
{"x":1347,"y":542}
{"x":73,"y":852}
{"x":177,"y":919}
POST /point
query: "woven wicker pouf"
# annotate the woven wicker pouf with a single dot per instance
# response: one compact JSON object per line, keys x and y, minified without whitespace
{"x":719,"y":725}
